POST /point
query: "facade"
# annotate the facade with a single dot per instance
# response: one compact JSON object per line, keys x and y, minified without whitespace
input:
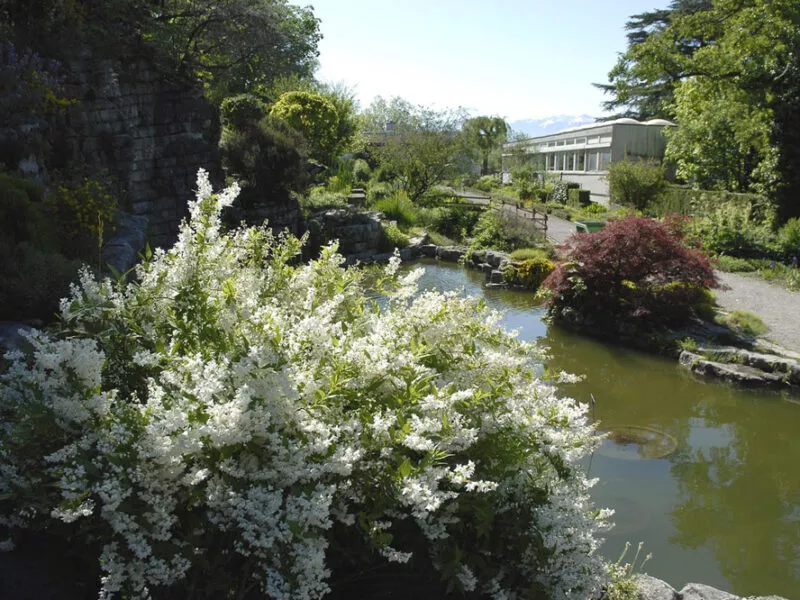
{"x":582,"y":154}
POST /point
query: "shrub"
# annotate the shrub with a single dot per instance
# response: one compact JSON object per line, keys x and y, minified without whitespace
{"x":487,"y":183}
{"x":634,"y":271}
{"x":361,"y":172}
{"x":635,"y":183}
{"x":452,"y":221}
{"x":319,"y":199}
{"x":241,"y":111}
{"x":745,"y":323}
{"x":731,"y":229}
{"x":579,"y":198}
{"x":501,"y":231}
{"x":268,"y":158}
{"x":399,"y":207}
{"x":88,"y":209}
{"x":560,"y":193}
{"x":378,"y":190}
{"x":526,"y":253}
{"x":238,"y":420}
{"x":393,"y":237}
{"x":732,"y":264}
{"x":529,"y":273}
{"x":595,"y":208}
{"x":314,"y":117}
{"x":788,"y":239}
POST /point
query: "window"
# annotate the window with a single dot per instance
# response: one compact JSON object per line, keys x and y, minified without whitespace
{"x":593,"y":140}
{"x":570,"y":162}
{"x":605,"y":159}
{"x":591,"y":160}
{"x":581,"y":161}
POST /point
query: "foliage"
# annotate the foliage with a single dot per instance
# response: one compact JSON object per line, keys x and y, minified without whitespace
{"x":394,"y":238}
{"x":579,"y":198}
{"x":417,"y":144}
{"x":788,"y":239}
{"x":361,"y":172}
{"x":241,"y":111}
{"x":378,"y":190}
{"x":634,"y":271}
{"x":86,"y":208}
{"x":745,"y":323}
{"x":700,"y":203}
{"x":500,"y":231}
{"x":454,"y":221}
{"x":485,"y":134}
{"x":624,"y":585}
{"x":33,"y":280}
{"x":319,"y":198}
{"x":688,"y":344}
{"x":236,"y":420}
{"x":268,"y":157}
{"x":734,"y":229}
{"x":734,"y":264}
{"x":236,"y":46}
{"x":635,"y":183}
{"x":37,"y":261}
{"x":398,"y":207}
{"x":486,"y":183}
{"x":725,"y":71}
{"x":641,"y":83}
{"x":560,"y":194}
{"x":30,"y":87}
{"x":314,"y":117}
{"x":529,"y":273}
{"x":528,"y":253}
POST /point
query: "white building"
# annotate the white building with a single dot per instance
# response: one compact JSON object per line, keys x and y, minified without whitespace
{"x":582,"y":154}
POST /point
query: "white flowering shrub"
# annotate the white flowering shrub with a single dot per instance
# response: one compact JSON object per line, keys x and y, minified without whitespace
{"x":238,"y":422}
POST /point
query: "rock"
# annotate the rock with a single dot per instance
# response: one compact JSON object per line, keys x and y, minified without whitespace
{"x":485,"y":268}
{"x":740,"y":374}
{"x":496,"y":276}
{"x":122,"y":250}
{"x":495,"y":259}
{"x":429,"y":250}
{"x":449,"y":254}
{"x":651,"y":588}
{"x":700,"y":591}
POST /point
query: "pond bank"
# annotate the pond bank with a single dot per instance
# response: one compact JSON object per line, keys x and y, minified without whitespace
{"x":651,"y":588}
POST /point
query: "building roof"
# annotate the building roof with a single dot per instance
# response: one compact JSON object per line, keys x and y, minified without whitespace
{"x":596,"y":125}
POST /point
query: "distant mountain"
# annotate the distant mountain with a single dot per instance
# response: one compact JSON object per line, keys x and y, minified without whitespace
{"x":547,"y":125}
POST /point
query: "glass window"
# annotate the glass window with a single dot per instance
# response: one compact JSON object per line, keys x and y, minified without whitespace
{"x":605,"y":159}
{"x":581,"y":162}
{"x":570,"y":162}
{"x":591,"y":160}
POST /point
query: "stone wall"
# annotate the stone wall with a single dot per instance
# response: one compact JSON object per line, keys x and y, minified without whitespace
{"x":150,"y":130}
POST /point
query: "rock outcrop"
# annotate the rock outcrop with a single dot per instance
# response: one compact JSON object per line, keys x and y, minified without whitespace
{"x":651,"y":588}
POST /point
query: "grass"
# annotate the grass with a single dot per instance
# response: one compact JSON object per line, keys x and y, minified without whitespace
{"x":436,"y":238}
{"x":399,"y":207}
{"x":745,"y":323}
{"x":528,"y":253}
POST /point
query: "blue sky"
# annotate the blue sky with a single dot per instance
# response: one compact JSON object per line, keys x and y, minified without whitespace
{"x":513,"y":58}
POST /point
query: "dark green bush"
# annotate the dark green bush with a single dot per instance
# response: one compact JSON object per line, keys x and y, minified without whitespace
{"x":579,"y":198}
{"x":733,"y":264}
{"x":561,"y":191}
{"x":700,"y":203}
{"x":501,"y":231}
{"x":788,"y":239}
{"x":399,"y":207}
{"x":269,"y":160}
{"x":487,"y":183}
{"x":241,"y":111}
{"x":361,"y":172}
{"x":636,"y":184}
{"x":452,"y":221}
{"x":393,"y":237}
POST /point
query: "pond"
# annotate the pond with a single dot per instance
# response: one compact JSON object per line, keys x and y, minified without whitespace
{"x":708,"y":476}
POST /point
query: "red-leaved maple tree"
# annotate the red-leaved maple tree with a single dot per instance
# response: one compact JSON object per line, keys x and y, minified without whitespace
{"x":635,"y":270}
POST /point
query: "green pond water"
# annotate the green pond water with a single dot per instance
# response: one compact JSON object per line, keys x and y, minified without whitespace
{"x":708,"y":476}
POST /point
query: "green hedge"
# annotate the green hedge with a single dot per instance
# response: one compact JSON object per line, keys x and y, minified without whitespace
{"x":579,"y":198}
{"x":699,"y":203}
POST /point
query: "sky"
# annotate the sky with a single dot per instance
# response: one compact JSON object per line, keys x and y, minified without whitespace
{"x":516,"y":59}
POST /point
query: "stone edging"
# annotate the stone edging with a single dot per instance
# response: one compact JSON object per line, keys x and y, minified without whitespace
{"x":651,"y":588}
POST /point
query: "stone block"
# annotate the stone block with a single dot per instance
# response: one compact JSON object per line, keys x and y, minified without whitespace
{"x":700,"y":591}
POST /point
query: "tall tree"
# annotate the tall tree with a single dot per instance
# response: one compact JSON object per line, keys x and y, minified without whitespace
{"x":641,"y":83}
{"x":416,"y":143}
{"x":486,"y":134}
{"x":728,"y":68}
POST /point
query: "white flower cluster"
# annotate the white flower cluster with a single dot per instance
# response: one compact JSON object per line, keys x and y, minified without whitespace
{"x":233,"y":402}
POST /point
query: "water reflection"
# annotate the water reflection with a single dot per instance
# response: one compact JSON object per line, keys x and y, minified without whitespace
{"x":724,"y":508}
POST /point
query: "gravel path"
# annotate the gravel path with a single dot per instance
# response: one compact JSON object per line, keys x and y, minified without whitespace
{"x":778,"y":307}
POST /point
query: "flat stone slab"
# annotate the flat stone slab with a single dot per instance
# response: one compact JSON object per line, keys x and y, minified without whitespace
{"x":700,"y":591}
{"x":651,"y":588}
